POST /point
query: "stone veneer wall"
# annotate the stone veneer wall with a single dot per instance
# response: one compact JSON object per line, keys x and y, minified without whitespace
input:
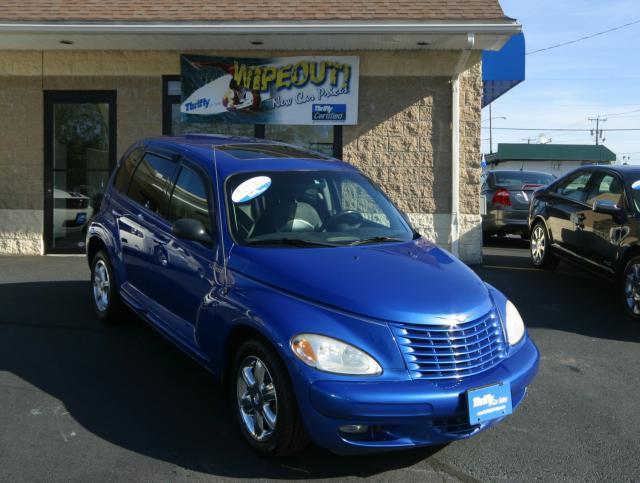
{"x":402,"y":140}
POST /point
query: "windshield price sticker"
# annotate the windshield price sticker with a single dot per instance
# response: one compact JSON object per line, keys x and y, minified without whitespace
{"x":250,"y":189}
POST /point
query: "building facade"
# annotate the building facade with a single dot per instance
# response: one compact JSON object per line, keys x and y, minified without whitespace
{"x":556,"y":159}
{"x":78,"y":86}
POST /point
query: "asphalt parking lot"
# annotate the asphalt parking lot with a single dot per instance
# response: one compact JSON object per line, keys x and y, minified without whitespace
{"x":81,"y":401}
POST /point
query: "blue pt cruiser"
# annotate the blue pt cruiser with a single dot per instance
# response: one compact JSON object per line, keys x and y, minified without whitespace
{"x":293,"y":278}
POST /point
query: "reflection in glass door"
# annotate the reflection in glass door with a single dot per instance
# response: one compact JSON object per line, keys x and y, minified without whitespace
{"x":79,"y":156}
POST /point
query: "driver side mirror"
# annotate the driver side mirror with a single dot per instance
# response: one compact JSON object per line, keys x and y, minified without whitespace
{"x":190,"y":229}
{"x":606,"y":207}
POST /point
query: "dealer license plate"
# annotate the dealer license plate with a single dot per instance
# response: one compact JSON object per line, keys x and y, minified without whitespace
{"x":489,"y":402}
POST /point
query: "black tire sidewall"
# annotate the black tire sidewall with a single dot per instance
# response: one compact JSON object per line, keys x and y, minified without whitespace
{"x":287,"y":406}
{"x":621,"y":284}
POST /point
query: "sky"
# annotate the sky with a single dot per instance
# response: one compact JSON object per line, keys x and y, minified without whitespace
{"x":566,"y":86}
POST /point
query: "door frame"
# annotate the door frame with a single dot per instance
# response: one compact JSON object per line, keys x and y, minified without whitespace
{"x":70,"y":97}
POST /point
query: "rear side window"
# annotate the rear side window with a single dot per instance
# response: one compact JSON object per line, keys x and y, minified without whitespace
{"x":189,"y":198}
{"x":128,"y":165}
{"x":150,"y":182}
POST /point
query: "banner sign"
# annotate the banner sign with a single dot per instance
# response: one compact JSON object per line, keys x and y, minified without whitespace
{"x":285,"y":90}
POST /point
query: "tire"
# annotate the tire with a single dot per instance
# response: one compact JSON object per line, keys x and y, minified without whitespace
{"x":630,"y":288}
{"x":269,"y":398}
{"x":541,"y":255}
{"x":105,"y":298}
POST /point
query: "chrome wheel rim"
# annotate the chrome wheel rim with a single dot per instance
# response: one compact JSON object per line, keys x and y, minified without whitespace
{"x":101,"y":286}
{"x":632,"y":288}
{"x":538,"y":245}
{"x":257,"y":400}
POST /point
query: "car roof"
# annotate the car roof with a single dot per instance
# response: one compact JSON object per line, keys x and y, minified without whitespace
{"x":236,"y":154}
{"x":627,"y":171}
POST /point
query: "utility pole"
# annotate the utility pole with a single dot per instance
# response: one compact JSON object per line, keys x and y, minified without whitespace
{"x":528,"y":140}
{"x":490,"y":131}
{"x":598,"y":133}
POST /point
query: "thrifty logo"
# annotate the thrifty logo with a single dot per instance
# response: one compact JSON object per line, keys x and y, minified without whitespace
{"x":329,"y":112}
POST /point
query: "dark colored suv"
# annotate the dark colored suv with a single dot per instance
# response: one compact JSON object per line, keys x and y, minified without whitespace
{"x":592,"y":216}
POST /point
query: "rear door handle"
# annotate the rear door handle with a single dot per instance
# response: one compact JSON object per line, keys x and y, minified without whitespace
{"x":116,"y":213}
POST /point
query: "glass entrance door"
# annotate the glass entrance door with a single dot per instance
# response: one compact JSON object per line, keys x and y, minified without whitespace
{"x":80,"y":144}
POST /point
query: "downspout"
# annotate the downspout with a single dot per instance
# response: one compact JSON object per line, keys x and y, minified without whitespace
{"x":455,"y":143}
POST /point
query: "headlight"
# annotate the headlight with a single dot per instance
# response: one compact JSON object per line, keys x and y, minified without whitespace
{"x":331,"y":355}
{"x":514,"y":324}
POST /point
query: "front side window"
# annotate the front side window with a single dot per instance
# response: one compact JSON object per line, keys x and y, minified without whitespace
{"x":311,"y":208}
{"x":607,"y":188}
{"x":151,"y":181}
{"x":575,"y":187}
{"x":189,"y":199}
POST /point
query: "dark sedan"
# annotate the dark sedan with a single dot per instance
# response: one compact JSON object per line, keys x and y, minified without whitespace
{"x":508,"y":195}
{"x":591,"y":216}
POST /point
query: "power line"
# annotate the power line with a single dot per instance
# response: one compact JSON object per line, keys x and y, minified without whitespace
{"x":619,"y":27}
{"x":552,"y":129}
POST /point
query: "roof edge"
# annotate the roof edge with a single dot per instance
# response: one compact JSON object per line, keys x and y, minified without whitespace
{"x":499,"y":26}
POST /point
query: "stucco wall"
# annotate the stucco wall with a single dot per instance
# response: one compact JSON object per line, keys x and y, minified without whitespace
{"x":403,"y":139}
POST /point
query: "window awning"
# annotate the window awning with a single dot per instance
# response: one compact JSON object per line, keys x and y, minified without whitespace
{"x":504,"y":69}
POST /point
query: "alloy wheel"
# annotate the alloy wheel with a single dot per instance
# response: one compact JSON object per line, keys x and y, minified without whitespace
{"x":257,"y":400}
{"x":538,"y":245}
{"x":101,"y":286}
{"x":632,"y":288}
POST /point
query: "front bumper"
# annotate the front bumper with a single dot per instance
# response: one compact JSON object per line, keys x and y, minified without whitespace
{"x":404,"y":414}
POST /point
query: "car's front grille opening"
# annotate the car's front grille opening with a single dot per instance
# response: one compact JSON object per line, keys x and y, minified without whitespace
{"x":457,"y":426}
{"x":451,"y":351}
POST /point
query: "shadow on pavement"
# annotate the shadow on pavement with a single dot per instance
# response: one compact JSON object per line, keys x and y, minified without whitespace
{"x":510,"y":241}
{"x":130,"y":387}
{"x":567,"y":298}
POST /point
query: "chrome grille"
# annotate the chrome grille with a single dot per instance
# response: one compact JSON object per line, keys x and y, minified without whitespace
{"x":445,"y":351}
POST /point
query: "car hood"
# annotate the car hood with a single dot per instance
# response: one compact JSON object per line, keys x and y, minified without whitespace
{"x":413,"y":282}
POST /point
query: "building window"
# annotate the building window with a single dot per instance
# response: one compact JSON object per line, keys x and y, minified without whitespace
{"x":324,"y":139}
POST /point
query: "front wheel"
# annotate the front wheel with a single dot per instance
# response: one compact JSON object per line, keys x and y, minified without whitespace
{"x":264,"y":401}
{"x":630,"y":288}
{"x":106,"y":301}
{"x":541,"y":255}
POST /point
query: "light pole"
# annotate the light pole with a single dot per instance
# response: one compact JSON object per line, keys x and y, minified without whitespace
{"x":491,"y":118}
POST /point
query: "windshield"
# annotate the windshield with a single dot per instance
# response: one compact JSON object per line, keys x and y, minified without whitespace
{"x":635,"y":191}
{"x":520,"y":178}
{"x":311,"y":208}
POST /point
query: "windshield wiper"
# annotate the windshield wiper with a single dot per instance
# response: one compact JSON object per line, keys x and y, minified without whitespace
{"x":376,"y":239}
{"x":294,"y":242}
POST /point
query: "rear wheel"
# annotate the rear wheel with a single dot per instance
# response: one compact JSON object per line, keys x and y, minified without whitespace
{"x":541,"y":255}
{"x":630,"y":288}
{"x":264,"y":401}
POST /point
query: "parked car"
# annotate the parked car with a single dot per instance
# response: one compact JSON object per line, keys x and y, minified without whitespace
{"x":71,"y":211}
{"x":507,"y":195}
{"x":297,"y":282}
{"x":591,"y":217}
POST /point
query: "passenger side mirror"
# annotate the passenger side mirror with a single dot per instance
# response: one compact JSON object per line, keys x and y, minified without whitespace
{"x":190,"y":229}
{"x":606,"y":207}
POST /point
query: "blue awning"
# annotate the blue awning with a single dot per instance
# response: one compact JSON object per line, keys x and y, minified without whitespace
{"x":503,"y":70}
